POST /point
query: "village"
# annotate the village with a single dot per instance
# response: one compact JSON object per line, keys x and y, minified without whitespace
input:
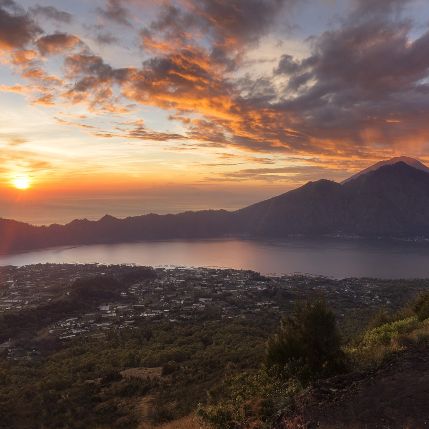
{"x":180,"y":295}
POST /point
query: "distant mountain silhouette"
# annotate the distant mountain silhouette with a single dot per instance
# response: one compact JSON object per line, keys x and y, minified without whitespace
{"x":407,"y":160}
{"x":390,"y":199}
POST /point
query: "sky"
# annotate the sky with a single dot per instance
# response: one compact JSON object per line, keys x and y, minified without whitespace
{"x":135,"y":106}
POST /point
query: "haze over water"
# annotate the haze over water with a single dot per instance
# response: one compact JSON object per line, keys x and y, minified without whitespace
{"x":333,"y":258}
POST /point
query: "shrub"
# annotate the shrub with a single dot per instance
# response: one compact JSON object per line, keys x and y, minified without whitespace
{"x":381,"y":317}
{"x":307,"y":345}
{"x":384,"y":334}
{"x":379,"y":343}
{"x":421,"y":306}
{"x":253,"y":400}
{"x":169,"y":368}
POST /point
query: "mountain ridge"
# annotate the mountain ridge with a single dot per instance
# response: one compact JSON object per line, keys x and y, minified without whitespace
{"x":412,"y":162}
{"x":389,"y":201}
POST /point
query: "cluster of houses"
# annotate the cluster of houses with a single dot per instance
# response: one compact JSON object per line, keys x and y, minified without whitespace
{"x":179,"y":295}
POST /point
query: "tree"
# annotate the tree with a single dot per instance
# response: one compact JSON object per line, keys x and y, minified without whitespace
{"x":308,"y":344}
{"x":421,"y":306}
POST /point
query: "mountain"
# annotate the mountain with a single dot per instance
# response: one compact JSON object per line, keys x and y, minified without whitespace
{"x":392,"y":200}
{"x":405,"y":159}
{"x":389,"y":199}
{"x":17,"y":236}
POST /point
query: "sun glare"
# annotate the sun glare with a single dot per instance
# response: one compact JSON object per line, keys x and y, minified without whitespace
{"x":21,"y":182}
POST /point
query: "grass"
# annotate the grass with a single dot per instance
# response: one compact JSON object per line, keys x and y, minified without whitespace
{"x":257,"y":400}
{"x":377,"y":344}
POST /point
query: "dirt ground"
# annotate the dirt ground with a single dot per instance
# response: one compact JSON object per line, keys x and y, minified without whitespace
{"x":151,"y":373}
{"x":396,"y":396}
{"x":190,"y":422}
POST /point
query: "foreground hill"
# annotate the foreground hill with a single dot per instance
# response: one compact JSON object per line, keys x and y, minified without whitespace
{"x":393,"y":396}
{"x":93,"y":346}
{"x":389,"y":200}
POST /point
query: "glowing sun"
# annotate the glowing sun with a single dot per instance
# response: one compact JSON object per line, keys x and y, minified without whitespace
{"x":21,"y":182}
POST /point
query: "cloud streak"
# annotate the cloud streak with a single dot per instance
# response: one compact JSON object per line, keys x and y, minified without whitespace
{"x":52,"y":13}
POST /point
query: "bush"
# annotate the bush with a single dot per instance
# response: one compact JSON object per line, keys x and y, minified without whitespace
{"x":308,"y":344}
{"x":169,"y":368}
{"x":381,"y":317}
{"x":421,"y":307}
{"x":377,"y":344}
{"x":384,"y":334}
{"x":253,"y":400}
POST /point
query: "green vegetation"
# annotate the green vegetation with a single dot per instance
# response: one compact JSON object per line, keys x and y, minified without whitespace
{"x":407,"y":327}
{"x":238,"y":369}
{"x":81,"y":385}
{"x":306,"y":349}
{"x":250,"y":399}
{"x":308,"y":344}
{"x":421,"y":306}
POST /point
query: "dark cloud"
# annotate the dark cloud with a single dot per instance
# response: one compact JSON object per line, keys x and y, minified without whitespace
{"x":114,"y":10}
{"x":174,"y":22}
{"x":52,"y":13}
{"x":260,"y":89}
{"x":17,"y":28}
{"x":142,"y":133}
{"x":106,"y":38}
{"x":374,"y":10}
{"x":287,"y":65}
{"x":94,"y":81}
{"x":87,"y":65}
{"x":364,"y":82}
{"x":173,"y":29}
{"x":237,"y":22}
{"x":57,"y":43}
{"x":230,"y":26}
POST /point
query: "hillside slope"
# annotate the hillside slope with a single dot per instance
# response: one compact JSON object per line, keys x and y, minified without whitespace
{"x":396,"y":396}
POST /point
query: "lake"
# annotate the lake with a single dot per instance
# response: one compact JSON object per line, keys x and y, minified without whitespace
{"x":333,"y":258}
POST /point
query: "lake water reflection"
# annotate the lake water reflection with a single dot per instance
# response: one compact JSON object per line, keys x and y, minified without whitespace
{"x":333,"y":258}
